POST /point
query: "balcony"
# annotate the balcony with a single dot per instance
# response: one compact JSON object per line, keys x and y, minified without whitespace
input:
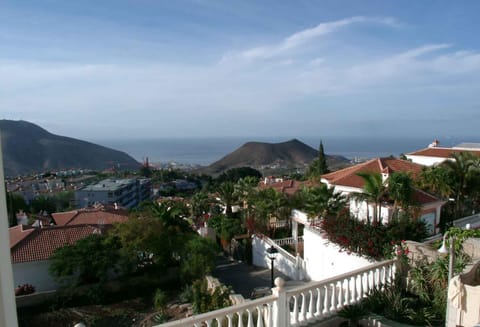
{"x":311,"y":303}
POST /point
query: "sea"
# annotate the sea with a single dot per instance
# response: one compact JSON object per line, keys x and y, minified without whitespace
{"x":206,"y":150}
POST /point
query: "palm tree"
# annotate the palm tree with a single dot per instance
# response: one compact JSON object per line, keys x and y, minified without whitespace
{"x":226,"y":192}
{"x":172,"y":215}
{"x":400,"y":190}
{"x":245,"y":188}
{"x":373,"y":191}
{"x":322,"y":201}
{"x":462,"y":170}
{"x":437,"y":180}
{"x":199,"y":204}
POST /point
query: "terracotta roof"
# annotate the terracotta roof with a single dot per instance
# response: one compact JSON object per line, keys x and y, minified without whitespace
{"x":423,"y":198}
{"x":349,"y":177}
{"x":442,"y":152}
{"x":17,"y":234}
{"x":288,"y":187}
{"x":40,"y":243}
{"x":95,"y":216}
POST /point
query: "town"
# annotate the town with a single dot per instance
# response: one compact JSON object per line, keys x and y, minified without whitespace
{"x":332,"y":246}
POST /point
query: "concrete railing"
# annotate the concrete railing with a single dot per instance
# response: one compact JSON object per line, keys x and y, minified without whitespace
{"x":252,"y":313}
{"x":315,"y":301}
{"x":321,"y":300}
{"x":287,"y":241}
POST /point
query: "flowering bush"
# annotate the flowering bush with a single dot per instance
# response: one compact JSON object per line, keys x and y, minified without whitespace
{"x":401,"y":249}
{"x":373,"y":241}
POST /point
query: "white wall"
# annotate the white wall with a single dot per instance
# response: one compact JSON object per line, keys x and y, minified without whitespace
{"x":284,"y":262}
{"x":324,"y":259}
{"x":34,"y":273}
{"x":425,"y":160}
{"x":359,"y":210}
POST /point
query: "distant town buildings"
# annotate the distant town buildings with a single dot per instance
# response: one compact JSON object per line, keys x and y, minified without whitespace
{"x":126,"y":193}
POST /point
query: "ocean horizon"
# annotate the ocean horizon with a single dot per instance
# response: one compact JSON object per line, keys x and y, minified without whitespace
{"x":206,"y":150}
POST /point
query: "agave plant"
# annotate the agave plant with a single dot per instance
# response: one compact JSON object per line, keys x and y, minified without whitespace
{"x":353,"y":313}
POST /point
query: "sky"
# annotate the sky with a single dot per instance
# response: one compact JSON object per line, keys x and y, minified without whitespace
{"x":205,"y":68}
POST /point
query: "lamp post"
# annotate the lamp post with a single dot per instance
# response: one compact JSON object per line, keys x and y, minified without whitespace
{"x":450,"y":250}
{"x":272,"y":254}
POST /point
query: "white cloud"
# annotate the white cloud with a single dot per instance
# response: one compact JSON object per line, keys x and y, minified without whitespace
{"x":218,"y":95}
{"x":298,"y":39}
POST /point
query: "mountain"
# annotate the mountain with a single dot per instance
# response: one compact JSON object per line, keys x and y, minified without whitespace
{"x":259,"y":155}
{"x":28,"y":148}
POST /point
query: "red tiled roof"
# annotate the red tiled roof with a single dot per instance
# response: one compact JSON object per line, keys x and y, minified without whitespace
{"x":423,"y":198}
{"x":442,"y":152}
{"x":17,"y":234}
{"x":349,"y":177}
{"x":42,"y":242}
{"x":288,"y":187}
{"x":95,"y":216}
{"x":62,"y":218}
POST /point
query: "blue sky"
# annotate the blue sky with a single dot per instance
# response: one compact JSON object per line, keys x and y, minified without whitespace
{"x":146,"y":69}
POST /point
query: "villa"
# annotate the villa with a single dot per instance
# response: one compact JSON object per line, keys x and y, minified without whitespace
{"x":348,"y":182}
{"x":434,"y":154}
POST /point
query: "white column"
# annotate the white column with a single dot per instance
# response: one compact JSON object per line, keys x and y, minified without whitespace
{"x":8,"y":308}
{"x":295,"y":234}
{"x":280,"y":306}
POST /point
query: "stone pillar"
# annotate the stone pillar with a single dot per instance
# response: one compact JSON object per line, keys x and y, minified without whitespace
{"x":295,"y":234}
{"x":280,"y":306}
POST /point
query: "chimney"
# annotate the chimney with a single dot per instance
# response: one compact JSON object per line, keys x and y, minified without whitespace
{"x":434,"y":144}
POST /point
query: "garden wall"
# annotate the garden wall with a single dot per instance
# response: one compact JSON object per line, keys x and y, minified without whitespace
{"x":324,"y":259}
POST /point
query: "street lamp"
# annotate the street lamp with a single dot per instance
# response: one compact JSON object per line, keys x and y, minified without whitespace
{"x":272,"y":254}
{"x":450,"y":250}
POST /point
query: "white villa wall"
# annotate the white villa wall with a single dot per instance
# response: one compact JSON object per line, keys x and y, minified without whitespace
{"x":284,"y":261}
{"x":359,"y":210}
{"x":425,"y":160}
{"x":324,"y":259}
{"x":34,"y":273}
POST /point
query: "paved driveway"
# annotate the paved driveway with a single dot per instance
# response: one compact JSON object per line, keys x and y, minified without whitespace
{"x":242,"y":277}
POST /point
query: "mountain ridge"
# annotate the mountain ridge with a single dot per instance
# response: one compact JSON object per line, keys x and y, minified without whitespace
{"x":291,"y":153}
{"x":29,"y":148}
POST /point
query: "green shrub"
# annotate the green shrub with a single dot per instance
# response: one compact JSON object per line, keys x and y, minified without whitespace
{"x":160,"y":300}
{"x":205,"y":300}
{"x":186,"y":295}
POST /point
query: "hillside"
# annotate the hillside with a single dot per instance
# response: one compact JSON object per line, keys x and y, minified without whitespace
{"x":261,"y":155}
{"x":28,"y":148}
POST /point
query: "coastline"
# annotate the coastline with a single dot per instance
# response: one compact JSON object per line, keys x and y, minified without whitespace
{"x":206,"y":150}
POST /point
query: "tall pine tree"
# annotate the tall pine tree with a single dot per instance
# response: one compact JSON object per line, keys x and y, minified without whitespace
{"x":319,"y":166}
{"x":322,"y":161}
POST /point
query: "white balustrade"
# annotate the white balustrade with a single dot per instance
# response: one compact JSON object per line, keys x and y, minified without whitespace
{"x":287,"y":241}
{"x":256,"y":313}
{"x":301,"y":305}
{"x":325,"y":298}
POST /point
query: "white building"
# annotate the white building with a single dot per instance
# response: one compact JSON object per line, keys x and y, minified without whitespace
{"x":32,"y":248}
{"x":348,"y":182}
{"x":127,"y":193}
{"x":434,"y":154}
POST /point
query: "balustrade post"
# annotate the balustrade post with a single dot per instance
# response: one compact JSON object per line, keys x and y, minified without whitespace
{"x":280,"y":306}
